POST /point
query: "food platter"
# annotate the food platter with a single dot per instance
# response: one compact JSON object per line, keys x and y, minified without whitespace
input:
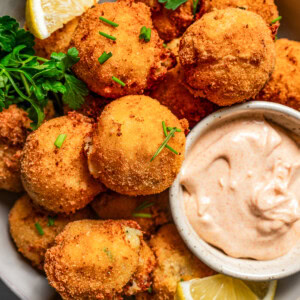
{"x":28,"y":283}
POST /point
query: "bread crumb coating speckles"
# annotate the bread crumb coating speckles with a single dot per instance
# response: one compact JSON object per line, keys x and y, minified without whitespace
{"x":128,"y":134}
{"x":99,"y":260}
{"x":137,"y":63}
{"x":227,"y":56}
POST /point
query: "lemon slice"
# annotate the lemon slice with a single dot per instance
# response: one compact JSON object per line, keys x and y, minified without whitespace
{"x":221,"y":287}
{"x":45,"y":16}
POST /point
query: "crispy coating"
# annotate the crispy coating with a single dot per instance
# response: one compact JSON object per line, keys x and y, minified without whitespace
{"x":128,"y":134}
{"x":58,"y":179}
{"x":174,"y":263}
{"x":99,"y":260}
{"x":22,"y":219}
{"x":59,"y":41}
{"x":111,"y":205}
{"x":172,"y":93}
{"x":284,"y":84}
{"x":227,"y":56}
{"x":14,"y":128}
{"x":135,"y":62}
{"x":267,"y":9}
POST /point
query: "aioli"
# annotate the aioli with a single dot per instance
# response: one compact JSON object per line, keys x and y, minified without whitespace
{"x":242,"y":188}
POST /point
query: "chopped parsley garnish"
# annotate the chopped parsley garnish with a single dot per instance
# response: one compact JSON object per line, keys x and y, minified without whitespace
{"x":142,"y":215}
{"x":104,"y":57}
{"x":145,"y":34}
{"x":51,"y":221}
{"x":117,"y":80}
{"x":39,"y":228}
{"x":276,"y":20}
{"x":107,"y":35}
{"x":150,"y":290}
{"x":165,"y":45}
{"x":144,"y":205}
{"x":172,"y":4}
{"x":60,"y":140}
{"x":109,"y":22}
{"x":28,"y":80}
{"x":195,"y":6}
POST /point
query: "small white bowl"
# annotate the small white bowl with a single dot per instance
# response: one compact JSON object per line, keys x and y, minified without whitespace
{"x":246,"y":269}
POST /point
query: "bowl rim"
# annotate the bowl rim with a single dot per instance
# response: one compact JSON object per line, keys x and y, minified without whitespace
{"x":211,"y":256}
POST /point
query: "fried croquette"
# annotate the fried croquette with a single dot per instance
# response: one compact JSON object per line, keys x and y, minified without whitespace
{"x":23,"y":219}
{"x":227,"y":56}
{"x":148,"y":211}
{"x":99,"y":260}
{"x":57,"y":179}
{"x":174,"y":263}
{"x":284,"y":85}
{"x":59,"y":41}
{"x":138,"y":64}
{"x":128,"y":134}
{"x":172,"y":93}
{"x":14,"y":128}
{"x":267,"y":9}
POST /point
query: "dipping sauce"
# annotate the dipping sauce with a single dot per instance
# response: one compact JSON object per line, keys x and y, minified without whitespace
{"x":241,"y":185}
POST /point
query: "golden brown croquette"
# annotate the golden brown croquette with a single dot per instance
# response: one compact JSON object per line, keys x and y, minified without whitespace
{"x":284,"y":85}
{"x":227,"y":56}
{"x":128,"y":134}
{"x":99,"y":260}
{"x":23,"y":219}
{"x":137,"y":63}
{"x":57,"y":179}
{"x":174,"y":263}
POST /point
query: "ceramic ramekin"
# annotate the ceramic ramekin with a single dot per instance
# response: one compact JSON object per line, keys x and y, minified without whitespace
{"x":246,"y":269}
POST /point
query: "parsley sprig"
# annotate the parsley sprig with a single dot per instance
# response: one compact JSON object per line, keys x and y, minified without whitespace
{"x":28,"y":80}
{"x":172,"y":4}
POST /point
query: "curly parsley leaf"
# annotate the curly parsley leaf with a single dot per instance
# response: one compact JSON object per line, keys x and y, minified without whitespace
{"x":75,"y":93}
{"x":28,"y":80}
{"x":172,"y":4}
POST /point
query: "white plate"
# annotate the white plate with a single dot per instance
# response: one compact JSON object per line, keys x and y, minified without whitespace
{"x":29,"y":284}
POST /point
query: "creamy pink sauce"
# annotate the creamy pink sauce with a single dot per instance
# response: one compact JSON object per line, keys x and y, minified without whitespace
{"x":241,"y":185}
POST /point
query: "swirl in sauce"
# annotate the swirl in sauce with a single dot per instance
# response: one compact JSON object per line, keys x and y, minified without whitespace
{"x":241,"y":185}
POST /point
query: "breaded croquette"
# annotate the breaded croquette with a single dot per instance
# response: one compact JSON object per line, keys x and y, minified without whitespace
{"x":267,"y":9}
{"x":139,"y":64}
{"x":14,"y":128}
{"x":172,"y":93}
{"x":284,"y":85}
{"x":174,"y":263}
{"x":227,"y":56}
{"x":128,"y":135}
{"x":99,"y":260}
{"x":59,"y":41}
{"x":148,"y":211}
{"x":56,"y":177}
{"x":24,"y":218}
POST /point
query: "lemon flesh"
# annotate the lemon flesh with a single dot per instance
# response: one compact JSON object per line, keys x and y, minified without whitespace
{"x":221,"y":287}
{"x":45,"y":16}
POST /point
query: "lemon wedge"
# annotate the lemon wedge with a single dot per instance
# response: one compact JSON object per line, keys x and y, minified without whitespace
{"x":221,"y":287}
{"x":45,"y":16}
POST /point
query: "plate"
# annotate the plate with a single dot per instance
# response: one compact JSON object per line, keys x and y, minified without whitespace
{"x":29,"y":284}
